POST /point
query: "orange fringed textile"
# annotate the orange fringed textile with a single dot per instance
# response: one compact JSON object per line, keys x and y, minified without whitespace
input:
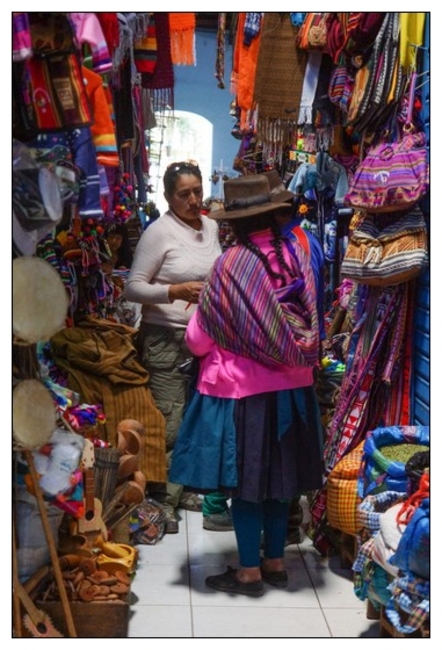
{"x":242,"y":80}
{"x":182,"y":38}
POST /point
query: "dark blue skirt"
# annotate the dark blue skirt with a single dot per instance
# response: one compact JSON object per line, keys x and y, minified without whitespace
{"x":266,"y":446}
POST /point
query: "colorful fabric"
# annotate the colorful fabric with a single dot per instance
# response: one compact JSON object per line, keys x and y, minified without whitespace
{"x":162,"y":81}
{"x":242,"y":80}
{"x":109,"y":24}
{"x":342,"y":492}
{"x":88,"y":30}
{"x":409,"y":594}
{"x":284,"y":330}
{"x":182,"y":38}
{"x":101,"y":363}
{"x":83,"y":161}
{"x":411,"y":36}
{"x":48,"y":87}
{"x":363,"y":394}
{"x":252,"y":26}
{"x":59,"y":97}
{"x":21,"y":36}
{"x":146,"y":50}
{"x":102,"y":129}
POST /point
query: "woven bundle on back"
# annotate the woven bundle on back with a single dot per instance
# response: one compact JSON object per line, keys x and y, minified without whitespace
{"x":279,"y":79}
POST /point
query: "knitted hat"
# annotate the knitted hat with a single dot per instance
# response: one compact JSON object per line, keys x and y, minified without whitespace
{"x":247,"y":196}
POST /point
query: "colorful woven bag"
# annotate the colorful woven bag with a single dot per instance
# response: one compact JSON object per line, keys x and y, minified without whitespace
{"x":386,"y":249}
{"x":342,"y":492}
{"x":392,"y":176}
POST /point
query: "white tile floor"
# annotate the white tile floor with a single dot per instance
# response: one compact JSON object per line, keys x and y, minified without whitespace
{"x":170,"y":599}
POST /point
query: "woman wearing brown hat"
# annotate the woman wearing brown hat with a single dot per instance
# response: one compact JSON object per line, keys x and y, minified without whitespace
{"x":252,"y":427}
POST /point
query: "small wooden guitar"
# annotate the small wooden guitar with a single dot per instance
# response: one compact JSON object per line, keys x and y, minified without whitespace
{"x":91,"y":523}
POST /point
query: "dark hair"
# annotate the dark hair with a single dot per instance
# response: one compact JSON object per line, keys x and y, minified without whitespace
{"x":125,"y":255}
{"x":243,"y":227}
{"x":176,"y":169}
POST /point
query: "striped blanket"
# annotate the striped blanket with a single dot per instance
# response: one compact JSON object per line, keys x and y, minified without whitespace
{"x":243,"y":312}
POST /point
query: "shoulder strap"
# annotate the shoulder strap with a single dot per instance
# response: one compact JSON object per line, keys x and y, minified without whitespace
{"x":299,"y":233}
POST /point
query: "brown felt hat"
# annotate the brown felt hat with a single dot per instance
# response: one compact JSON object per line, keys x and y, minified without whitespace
{"x":277,"y":190}
{"x":247,"y":196}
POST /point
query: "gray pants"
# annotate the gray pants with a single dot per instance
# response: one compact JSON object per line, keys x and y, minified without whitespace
{"x":161,"y":350}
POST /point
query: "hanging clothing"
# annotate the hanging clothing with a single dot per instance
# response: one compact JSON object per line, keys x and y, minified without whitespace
{"x":411,"y":37}
{"x":161,"y":82}
{"x":88,"y":30}
{"x":182,"y":38}
{"x":102,"y":129}
{"x":242,"y":79}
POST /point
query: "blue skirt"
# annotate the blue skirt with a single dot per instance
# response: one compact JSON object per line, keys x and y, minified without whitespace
{"x":266,"y":446}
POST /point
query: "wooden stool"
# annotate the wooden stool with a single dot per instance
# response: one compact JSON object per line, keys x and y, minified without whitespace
{"x":347,"y":550}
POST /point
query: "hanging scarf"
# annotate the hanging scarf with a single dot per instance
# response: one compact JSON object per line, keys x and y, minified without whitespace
{"x":161,"y":82}
{"x":309,"y":86}
{"x":182,"y":38}
{"x":145,"y":49}
{"x":242,"y":80}
{"x":278,"y":84}
{"x":243,"y":313}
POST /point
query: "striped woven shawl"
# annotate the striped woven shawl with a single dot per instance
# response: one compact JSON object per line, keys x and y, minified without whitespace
{"x":242,"y":311}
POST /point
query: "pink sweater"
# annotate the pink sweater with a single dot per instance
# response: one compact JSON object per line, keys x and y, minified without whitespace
{"x":224,"y":374}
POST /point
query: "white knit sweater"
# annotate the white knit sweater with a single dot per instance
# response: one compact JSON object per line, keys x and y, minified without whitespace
{"x":170,"y":252}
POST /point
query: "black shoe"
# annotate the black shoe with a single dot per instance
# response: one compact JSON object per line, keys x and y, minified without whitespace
{"x":278,"y":579}
{"x":229,"y":582}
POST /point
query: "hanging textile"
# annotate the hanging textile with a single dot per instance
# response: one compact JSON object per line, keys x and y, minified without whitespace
{"x":411,"y":37}
{"x":242,"y":79}
{"x":161,"y":82}
{"x":182,"y":38}
{"x":111,"y":31}
{"x":102,"y":128}
{"x":374,"y":359}
{"x":145,"y":49}
{"x":220,"y":49}
{"x":88,"y":30}
{"x":309,"y":86}
{"x":279,"y":80}
{"x":21,"y":36}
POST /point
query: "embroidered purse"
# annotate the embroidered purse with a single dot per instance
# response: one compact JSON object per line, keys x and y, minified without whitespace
{"x":392,"y":176}
{"x":386,"y":249}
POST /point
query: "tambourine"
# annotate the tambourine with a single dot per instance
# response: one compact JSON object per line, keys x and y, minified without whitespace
{"x":34,"y":414}
{"x":39,"y":300}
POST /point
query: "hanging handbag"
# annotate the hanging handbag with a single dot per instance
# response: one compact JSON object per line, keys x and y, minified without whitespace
{"x":386,"y":249}
{"x":312,"y":34}
{"x":392,"y":176}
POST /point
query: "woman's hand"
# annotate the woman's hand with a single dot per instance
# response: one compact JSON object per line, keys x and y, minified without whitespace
{"x":188,"y":291}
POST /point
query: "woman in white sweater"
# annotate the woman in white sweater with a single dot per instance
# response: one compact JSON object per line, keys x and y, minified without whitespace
{"x":171,"y":262}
